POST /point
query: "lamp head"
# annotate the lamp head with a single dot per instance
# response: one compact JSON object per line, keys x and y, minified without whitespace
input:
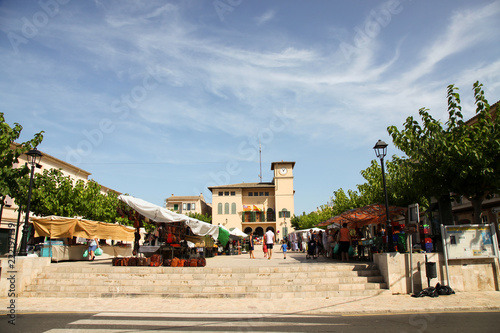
{"x":34,"y":156}
{"x":380,"y":149}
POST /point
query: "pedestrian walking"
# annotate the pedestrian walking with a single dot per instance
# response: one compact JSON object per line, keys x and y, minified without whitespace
{"x":251,"y":246}
{"x":345,"y":242}
{"x":284,"y":247}
{"x":93,"y":245}
{"x":269,"y":239}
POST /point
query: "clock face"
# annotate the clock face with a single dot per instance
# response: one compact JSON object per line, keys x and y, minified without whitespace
{"x":283,"y":171}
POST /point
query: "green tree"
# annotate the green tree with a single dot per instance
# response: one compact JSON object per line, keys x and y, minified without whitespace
{"x":10,"y":151}
{"x":454,"y":158}
{"x":403,"y":188}
{"x":306,"y":221}
{"x":202,"y":217}
{"x":57,"y":194}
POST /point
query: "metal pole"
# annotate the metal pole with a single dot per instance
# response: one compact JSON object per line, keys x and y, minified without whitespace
{"x":17,"y":228}
{"x":445,"y":252}
{"x":410,"y":245}
{"x":24,"y":239}
{"x":390,"y":243}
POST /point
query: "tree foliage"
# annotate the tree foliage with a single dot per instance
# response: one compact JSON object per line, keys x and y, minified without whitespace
{"x":403,"y":189}
{"x":312,"y":219}
{"x":202,"y":217}
{"x":56,"y":194}
{"x":9,"y":155}
{"x":455,"y":158}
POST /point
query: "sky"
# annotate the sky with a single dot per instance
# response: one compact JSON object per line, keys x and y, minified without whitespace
{"x":156,"y":98}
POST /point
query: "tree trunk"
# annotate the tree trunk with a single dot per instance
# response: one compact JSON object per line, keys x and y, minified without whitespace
{"x":445,"y":211}
{"x":477,"y":205}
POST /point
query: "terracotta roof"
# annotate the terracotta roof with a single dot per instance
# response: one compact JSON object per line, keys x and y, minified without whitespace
{"x":243,"y":185}
{"x":181,"y":198}
{"x":282,"y":162}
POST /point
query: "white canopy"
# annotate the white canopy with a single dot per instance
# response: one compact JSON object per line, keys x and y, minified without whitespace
{"x":235,"y":232}
{"x":160,"y":214}
{"x":307,"y":230}
{"x":238,"y":232}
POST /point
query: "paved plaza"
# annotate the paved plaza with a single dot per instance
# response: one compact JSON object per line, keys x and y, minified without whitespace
{"x":382,"y":303}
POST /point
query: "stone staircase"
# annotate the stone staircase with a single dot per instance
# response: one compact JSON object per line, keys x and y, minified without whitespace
{"x":300,"y":281}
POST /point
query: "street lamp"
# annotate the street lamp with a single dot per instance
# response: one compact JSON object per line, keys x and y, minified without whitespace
{"x":285,"y":231}
{"x":34,"y":158}
{"x":381,"y":150}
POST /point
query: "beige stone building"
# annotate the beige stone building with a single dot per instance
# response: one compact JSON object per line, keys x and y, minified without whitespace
{"x":257,"y":206}
{"x":188,"y":204}
{"x":10,"y":212}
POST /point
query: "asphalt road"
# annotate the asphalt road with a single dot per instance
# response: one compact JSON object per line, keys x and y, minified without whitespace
{"x":176,"y":322}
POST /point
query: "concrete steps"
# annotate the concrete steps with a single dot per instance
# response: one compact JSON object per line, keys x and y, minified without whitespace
{"x":301,"y":281}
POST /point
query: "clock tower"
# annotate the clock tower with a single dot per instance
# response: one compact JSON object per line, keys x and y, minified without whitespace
{"x":284,"y":193}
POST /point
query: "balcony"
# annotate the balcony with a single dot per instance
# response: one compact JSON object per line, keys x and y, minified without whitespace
{"x":258,"y":216}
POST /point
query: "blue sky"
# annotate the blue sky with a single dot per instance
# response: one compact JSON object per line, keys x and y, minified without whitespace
{"x":162,"y":97}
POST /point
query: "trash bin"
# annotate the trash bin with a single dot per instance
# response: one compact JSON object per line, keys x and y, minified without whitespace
{"x":430,"y":270}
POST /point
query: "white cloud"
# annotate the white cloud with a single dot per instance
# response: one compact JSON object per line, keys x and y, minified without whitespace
{"x":265,"y":17}
{"x":466,"y":29}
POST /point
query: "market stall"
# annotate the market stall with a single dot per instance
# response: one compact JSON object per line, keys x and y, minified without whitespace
{"x":367,"y":227}
{"x":64,"y":229}
{"x":175,"y":235}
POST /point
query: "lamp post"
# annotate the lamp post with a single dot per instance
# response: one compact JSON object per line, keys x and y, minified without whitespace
{"x":381,"y":150}
{"x":285,"y":230}
{"x":34,"y":158}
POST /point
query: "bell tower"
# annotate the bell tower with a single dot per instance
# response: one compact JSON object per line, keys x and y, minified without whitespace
{"x":284,"y":193}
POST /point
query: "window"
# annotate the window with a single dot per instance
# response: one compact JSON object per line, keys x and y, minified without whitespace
{"x":176,"y":206}
{"x":266,"y":194}
{"x":221,"y":194}
{"x":284,"y":213}
{"x":270,"y":215}
{"x":226,"y":193}
{"x":233,"y":193}
{"x":184,"y":206}
{"x":188,"y":206}
{"x":261,"y":194}
{"x":193,"y":206}
{"x":219,"y":209}
{"x":233,"y":208}
{"x":226,"y":208}
{"x":250,"y":194}
{"x":255,"y":194}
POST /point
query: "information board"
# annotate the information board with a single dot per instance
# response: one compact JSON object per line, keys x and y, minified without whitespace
{"x":469,"y":241}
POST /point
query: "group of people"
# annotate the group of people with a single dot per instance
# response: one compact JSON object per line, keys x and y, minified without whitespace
{"x":267,"y":245}
{"x":318,"y":243}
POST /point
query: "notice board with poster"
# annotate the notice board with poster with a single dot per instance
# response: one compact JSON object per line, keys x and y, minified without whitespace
{"x":470,"y":241}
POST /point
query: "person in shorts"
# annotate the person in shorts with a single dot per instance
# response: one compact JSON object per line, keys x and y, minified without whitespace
{"x":284,"y":247}
{"x":269,"y":238}
{"x":251,"y":246}
{"x":93,"y":245}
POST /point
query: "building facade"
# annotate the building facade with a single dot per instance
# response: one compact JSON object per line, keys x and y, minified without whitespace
{"x":255,"y":207}
{"x":188,"y":204}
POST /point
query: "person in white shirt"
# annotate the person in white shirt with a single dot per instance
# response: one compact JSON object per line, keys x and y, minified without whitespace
{"x":269,"y":236}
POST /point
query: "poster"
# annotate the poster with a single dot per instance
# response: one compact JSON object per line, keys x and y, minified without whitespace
{"x":469,"y":241}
